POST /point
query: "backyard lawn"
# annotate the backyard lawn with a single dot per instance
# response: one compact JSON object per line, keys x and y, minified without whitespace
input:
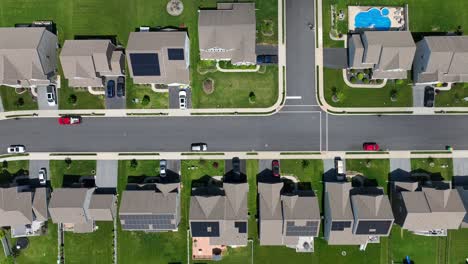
{"x":458,"y":239}
{"x":41,"y":249}
{"x":95,"y":247}
{"x":11,"y":169}
{"x":147,"y":99}
{"x":438,"y":167}
{"x":373,"y":169}
{"x":62,"y":174}
{"x":453,"y":97}
{"x":364,"y":97}
{"x":17,"y":102}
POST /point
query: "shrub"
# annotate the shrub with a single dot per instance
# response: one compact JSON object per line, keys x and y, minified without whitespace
{"x":72,"y":99}
{"x":20,"y":102}
{"x":68,"y":161}
{"x":367,"y":71}
{"x":252,"y":97}
{"x":379,"y":81}
{"x":352,"y":71}
{"x":439,"y":85}
{"x":399,"y":81}
{"x":360,"y":76}
{"x":215,"y":165}
{"x":146,"y":100}
{"x":365,"y":80}
{"x":352,"y":79}
{"x":133,"y":163}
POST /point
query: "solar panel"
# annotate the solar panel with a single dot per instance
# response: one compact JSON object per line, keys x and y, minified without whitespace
{"x":145,"y":64}
{"x":160,"y":222}
{"x":175,"y":54}
{"x":373,"y":227}
{"x":310,"y":229}
{"x":241,"y":226}
{"x":340,"y":225}
{"x":204,"y":229}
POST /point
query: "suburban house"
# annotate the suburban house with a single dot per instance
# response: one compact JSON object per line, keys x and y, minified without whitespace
{"x":388,"y":53}
{"x":463,"y":191}
{"x":23,"y":210}
{"x":154,"y":210}
{"x":86,"y":62}
{"x":228,"y":33}
{"x":161,"y":57}
{"x":28,"y":57}
{"x":430,"y":208}
{"x":441,"y":59}
{"x":78,"y":208}
{"x":218,"y":218}
{"x":289,"y":219}
{"x":356,"y":215}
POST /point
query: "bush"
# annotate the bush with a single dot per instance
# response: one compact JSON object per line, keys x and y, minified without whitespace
{"x":360,"y":76}
{"x":352,"y":71}
{"x":252,"y":97}
{"x":352,"y":79}
{"x":133,"y":163}
{"x":146,"y":100}
{"x":367,"y":71}
{"x":20,"y":102}
{"x":399,"y":81}
{"x":72,"y":99}
{"x":439,"y":85}
{"x":365,"y":80}
{"x":215,"y":165}
{"x":68,"y":161}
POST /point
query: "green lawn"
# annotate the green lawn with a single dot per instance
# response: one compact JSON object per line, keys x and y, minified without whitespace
{"x":232,"y":89}
{"x":11,"y":100}
{"x":84,"y":100}
{"x":11,"y":169}
{"x":41,"y":249}
{"x":364,"y":97}
{"x":157,"y":100}
{"x":172,"y":246}
{"x":441,"y":167}
{"x":453,"y":97}
{"x":374,"y":169}
{"x":458,"y":239}
{"x":61,"y":174}
{"x":95,"y":247}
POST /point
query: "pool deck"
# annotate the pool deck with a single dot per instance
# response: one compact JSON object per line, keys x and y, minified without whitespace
{"x":396,"y":16}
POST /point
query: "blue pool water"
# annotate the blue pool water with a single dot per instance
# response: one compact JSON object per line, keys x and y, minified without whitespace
{"x":373,"y":18}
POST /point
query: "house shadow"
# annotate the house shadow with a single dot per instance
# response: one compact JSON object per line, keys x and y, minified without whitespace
{"x":399,"y":175}
{"x":112,"y":38}
{"x":330,"y":176}
{"x":143,"y":182}
{"x":78,"y":181}
{"x":460,"y":180}
{"x":231,"y":177}
{"x":207,"y":186}
{"x":424,"y":175}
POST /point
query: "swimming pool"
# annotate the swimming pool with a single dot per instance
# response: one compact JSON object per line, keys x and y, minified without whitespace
{"x":373,"y":18}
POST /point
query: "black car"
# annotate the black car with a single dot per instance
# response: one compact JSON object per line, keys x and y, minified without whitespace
{"x":110,"y":89}
{"x":267,"y":59}
{"x":236,"y":165}
{"x":429,"y":95}
{"x":120,"y":86}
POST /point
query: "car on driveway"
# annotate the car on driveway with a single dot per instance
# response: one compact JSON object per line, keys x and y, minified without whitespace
{"x":162,"y":168}
{"x":236,"y":165}
{"x":69,"y":120}
{"x":275,"y":168}
{"x":120,"y":86}
{"x":110,"y":88}
{"x":267,"y":59}
{"x":183,"y":99}
{"x":370,"y":146}
{"x":199,"y":147}
{"x":429,"y":95}
{"x":16,"y":149}
{"x":51,"y":95}
{"x":42,"y":176}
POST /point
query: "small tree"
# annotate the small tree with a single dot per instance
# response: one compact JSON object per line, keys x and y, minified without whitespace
{"x":72,"y":99}
{"x":365,"y":80}
{"x":360,"y":76}
{"x":5,"y":164}
{"x":133,"y":163}
{"x":68,"y":161}
{"x":252,"y":97}
{"x":367,"y":71}
{"x":146,"y":100}
{"x":20,"y":102}
{"x":393,"y":95}
{"x":305,"y":163}
{"x":352,"y":79}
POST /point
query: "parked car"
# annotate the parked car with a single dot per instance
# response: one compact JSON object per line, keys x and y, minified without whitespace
{"x":16,"y":149}
{"x":236,"y":165}
{"x":370,"y":146}
{"x":199,"y":147}
{"x":267,"y":59}
{"x":69,"y":120}
{"x":275,"y":167}
{"x":162,"y":168}
{"x":51,"y":95}
{"x":110,"y":88}
{"x":120,"y":86}
{"x":183,"y":99}
{"x":42,"y":176}
{"x":339,"y":166}
{"x":429,"y":95}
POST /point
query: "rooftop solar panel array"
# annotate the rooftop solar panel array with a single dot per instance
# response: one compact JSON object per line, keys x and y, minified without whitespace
{"x":175,"y":54}
{"x":340,"y":225}
{"x":148,"y":222}
{"x":145,"y":64}
{"x":241,"y":227}
{"x":373,"y":227}
{"x":204,"y":229}
{"x":310,"y":229}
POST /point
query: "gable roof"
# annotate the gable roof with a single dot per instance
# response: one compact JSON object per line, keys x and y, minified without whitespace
{"x":232,"y":28}
{"x":39,"y":205}
{"x":371,"y":207}
{"x":150,"y":201}
{"x":27,"y":55}
{"x":297,"y":207}
{"x":15,"y":207}
{"x":338,"y":197}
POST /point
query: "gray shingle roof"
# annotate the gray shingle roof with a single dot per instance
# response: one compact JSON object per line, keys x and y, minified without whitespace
{"x":15,"y":207}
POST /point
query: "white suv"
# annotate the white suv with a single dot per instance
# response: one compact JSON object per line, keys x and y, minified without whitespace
{"x":183,"y":99}
{"x":16,"y":149}
{"x":42,"y":176}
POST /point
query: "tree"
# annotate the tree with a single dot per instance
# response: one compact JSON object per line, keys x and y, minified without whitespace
{"x":146,"y":100}
{"x":68,"y":161}
{"x":360,"y":76}
{"x":133,"y":163}
{"x":5,"y":164}
{"x":365,"y":80}
{"x":305,"y":163}
{"x":393,"y":95}
{"x":352,"y":79}
{"x":252,"y":97}
{"x":20,"y":102}
{"x":72,"y":99}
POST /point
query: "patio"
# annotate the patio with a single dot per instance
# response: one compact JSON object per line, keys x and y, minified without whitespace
{"x":201,"y":249}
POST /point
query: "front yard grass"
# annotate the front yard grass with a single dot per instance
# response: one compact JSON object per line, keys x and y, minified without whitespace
{"x":41,"y":249}
{"x":11,"y":169}
{"x":373,"y":169}
{"x":171,"y":246}
{"x":62,"y":174}
{"x":156,"y":100}
{"x":95,"y":247}
{"x":84,"y":100}
{"x":17,"y":102}
{"x":232,"y":89}
{"x":453,"y":97}
{"x":364,"y":97}
{"x":437,"y":167}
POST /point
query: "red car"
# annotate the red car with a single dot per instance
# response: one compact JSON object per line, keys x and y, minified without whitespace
{"x":69,"y":120}
{"x":371,"y":146}
{"x":275,"y":168}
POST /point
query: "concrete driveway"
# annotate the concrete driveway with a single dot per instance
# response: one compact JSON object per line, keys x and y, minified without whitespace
{"x":266,"y":49}
{"x":115,"y":102}
{"x":36,"y":165}
{"x":329,"y":173}
{"x":174,"y":98}
{"x":400,"y":168}
{"x":106,"y":173}
{"x":460,"y":171}
{"x":42,"y":98}
{"x":173,"y":166}
{"x":418,"y":95}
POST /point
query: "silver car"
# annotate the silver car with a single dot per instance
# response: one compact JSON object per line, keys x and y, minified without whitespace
{"x":162,"y":168}
{"x":51,"y":95}
{"x":183,"y":99}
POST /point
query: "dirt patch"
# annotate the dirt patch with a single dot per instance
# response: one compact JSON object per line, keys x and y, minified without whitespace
{"x":208,"y":86}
